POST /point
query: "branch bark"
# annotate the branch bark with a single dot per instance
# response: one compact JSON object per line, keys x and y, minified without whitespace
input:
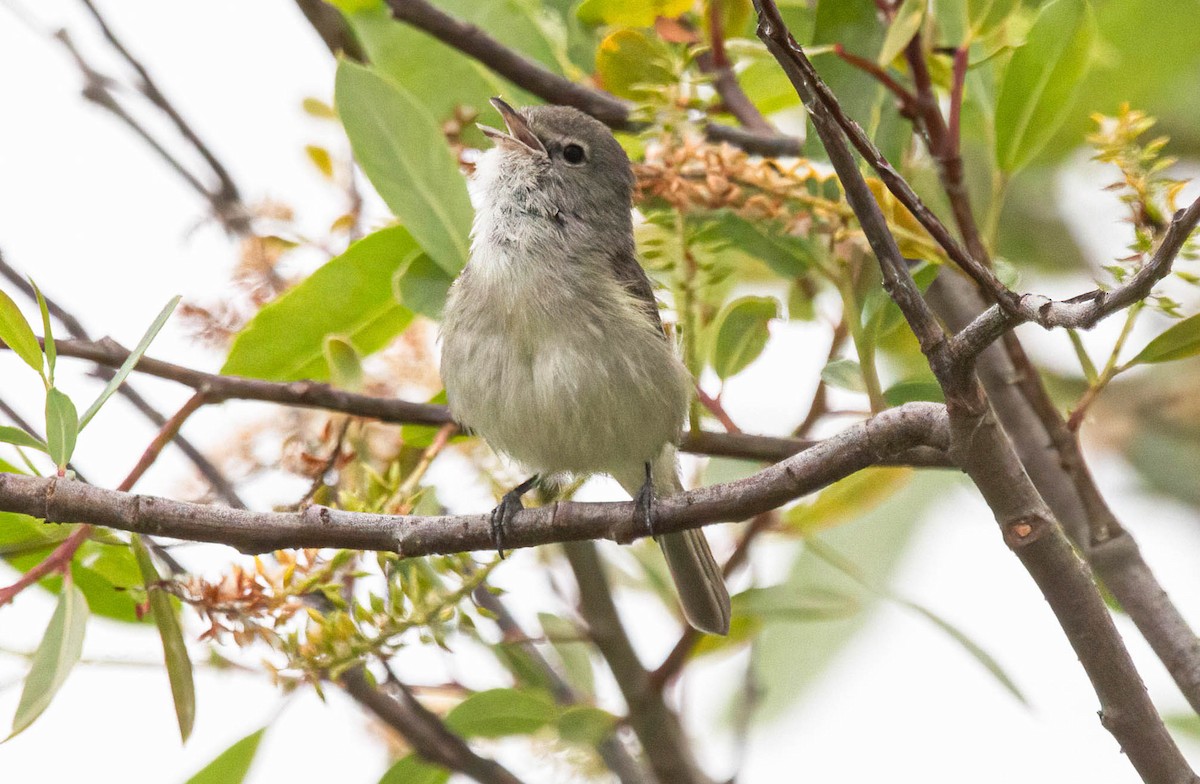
{"x":983,"y":450}
{"x":64,"y":500}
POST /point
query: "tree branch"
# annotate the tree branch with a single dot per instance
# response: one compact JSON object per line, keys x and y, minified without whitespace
{"x":1086,"y":310}
{"x":983,"y":450}
{"x":551,"y":87}
{"x":656,"y":726}
{"x":63,"y":500}
{"x":423,"y":730}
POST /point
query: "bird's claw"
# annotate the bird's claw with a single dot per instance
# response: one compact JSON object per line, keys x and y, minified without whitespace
{"x":504,"y":512}
{"x":644,"y":504}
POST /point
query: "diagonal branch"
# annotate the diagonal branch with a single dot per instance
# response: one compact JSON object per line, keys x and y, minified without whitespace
{"x":551,"y":87}
{"x":985,"y":453}
{"x":423,"y":730}
{"x":1086,"y":310}
{"x":64,"y":500}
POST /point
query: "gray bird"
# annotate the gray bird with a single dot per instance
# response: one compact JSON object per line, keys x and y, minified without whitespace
{"x":552,"y":345}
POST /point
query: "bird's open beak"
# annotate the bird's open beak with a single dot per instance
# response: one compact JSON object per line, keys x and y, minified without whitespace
{"x":518,"y":129}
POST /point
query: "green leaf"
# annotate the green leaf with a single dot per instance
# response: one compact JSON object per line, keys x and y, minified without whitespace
{"x":400,"y":147}
{"x":17,"y":436}
{"x":16,"y":333}
{"x":912,"y":390}
{"x":350,"y":296}
{"x":844,"y":374}
{"x":740,"y":333}
{"x":847,"y":499}
{"x":345,"y":365}
{"x":573,"y":651}
{"x":56,"y":654}
{"x":127,"y":366}
{"x":499,"y":712}
{"x":231,"y":765}
{"x":1186,"y":724}
{"x":47,"y":333}
{"x":790,"y":657}
{"x":1085,"y":361}
{"x":421,"y":285}
{"x":175,"y":653}
{"x":414,"y":770}
{"x":983,"y":15}
{"x":903,"y":27}
{"x":971,"y":647}
{"x":586,"y":725}
{"x":787,"y":256}
{"x":62,"y":427}
{"x":1041,"y":79}
{"x":634,"y":13}
{"x":632,"y":64}
{"x":1181,"y":340}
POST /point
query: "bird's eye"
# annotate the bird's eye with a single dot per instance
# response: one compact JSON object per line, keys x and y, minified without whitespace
{"x":573,"y":154}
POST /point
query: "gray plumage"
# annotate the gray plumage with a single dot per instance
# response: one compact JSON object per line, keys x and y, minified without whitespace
{"x":552,"y":346}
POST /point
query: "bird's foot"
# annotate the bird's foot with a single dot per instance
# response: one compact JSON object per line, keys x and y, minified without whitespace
{"x":504,"y":512}
{"x":644,"y":504}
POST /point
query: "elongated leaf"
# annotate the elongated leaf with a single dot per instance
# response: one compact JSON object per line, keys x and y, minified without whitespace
{"x":127,"y":366}
{"x":231,"y":765}
{"x":902,"y":29}
{"x":57,"y":653}
{"x":847,"y":499}
{"x":971,"y":647}
{"x":16,"y":333}
{"x":421,"y":285}
{"x":572,"y":650}
{"x":741,"y":333}
{"x":414,"y":770}
{"x":350,"y":296}
{"x":586,"y":725}
{"x":1041,"y":80}
{"x":1179,"y":341}
{"x":633,"y":64}
{"x":401,"y":149}
{"x":633,"y":13}
{"x":844,"y":374}
{"x":345,"y":365}
{"x":15,"y":435}
{"x":62,"y":427}
{"x":49,"y":349}
{"x":499,"y":712}
{"x":175,"y":653}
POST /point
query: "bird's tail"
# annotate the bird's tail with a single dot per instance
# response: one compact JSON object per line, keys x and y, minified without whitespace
{"x":698,"y":580}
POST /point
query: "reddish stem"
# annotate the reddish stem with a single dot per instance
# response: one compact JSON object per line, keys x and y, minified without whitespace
{"x":716,"y":34}
{"x":956,"y":99}
{"x":908,"y":101}
{"x":57,"y":561}
{"x":713,"y":404}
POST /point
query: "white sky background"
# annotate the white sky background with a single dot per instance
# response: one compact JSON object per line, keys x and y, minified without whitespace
{"x":112,"y":234}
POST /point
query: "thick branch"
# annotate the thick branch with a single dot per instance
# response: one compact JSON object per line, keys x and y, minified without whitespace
{"x":67,"y":501}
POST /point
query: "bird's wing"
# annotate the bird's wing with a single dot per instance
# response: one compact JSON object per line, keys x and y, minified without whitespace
{"x":631,"y":275}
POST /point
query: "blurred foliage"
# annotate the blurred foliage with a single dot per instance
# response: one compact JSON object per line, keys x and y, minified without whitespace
{"x":741,"y":248}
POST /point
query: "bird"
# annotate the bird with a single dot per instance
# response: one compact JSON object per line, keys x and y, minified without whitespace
{"x":552,"y":346}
